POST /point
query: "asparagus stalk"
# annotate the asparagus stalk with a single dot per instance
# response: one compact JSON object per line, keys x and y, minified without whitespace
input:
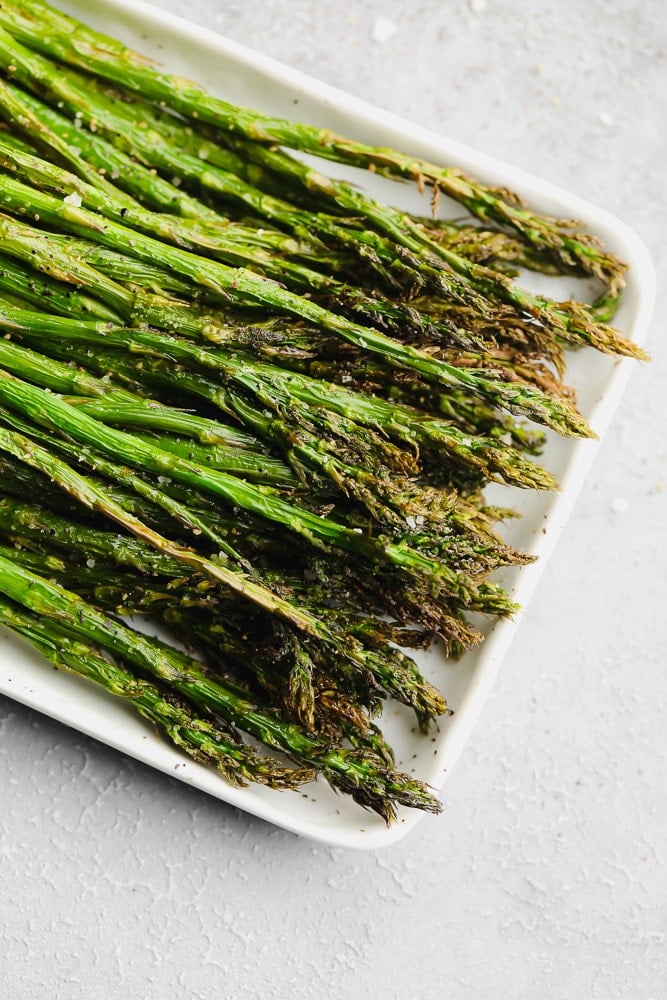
{"x":408,"y":321}
{"x":22,"y":482}
{"x":225,"y":454}
{"x":32,"y":522}
{"x":47,"y":254}
{"x":66,"y":90}
{"x":357,"y":665}
{"x":253,"y":289}
{"x":95,"y":498}
{"x":401,"y":679}
{"x":195,"y":607}
{"x":126,"y":173}
{"x":103,"y":584}
{"x":75,"y":44}
{"x":325,"y":588}
{"x":396,"y":256}
{"x":220,"y":446}
{"x":335,"y":714}
{"x":302,"y":575}
{"x":173,"y":601}
{"x":275,"y":339}
{"x":285,"y":392}
{"x":278,"y":340}
{"x":14,"y":111}
{"x":491,"y":246}
{"x":139,"y":411}
{"x":149,"y":291}
{"x":238,"y":763}
{"x":361,"y":774}
{"x":48,"y":295}
{"x":232,"y":244}
{"x":159,"y":502}
{"x":579,"y":251}
{"x":436,"y":322}
{"x":570,"y":320}
{"x":148,"y":413}
{"x":228,"y":248}
{"x":457,"y":408}
{"x":479,"y":555}
{"x":478,"y":245}
{"x":47,"y":410}
{"x":187,"y":517}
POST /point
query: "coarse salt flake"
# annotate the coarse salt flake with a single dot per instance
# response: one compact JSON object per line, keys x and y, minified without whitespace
{"x":73,"y":199}
{"x":383,"y":30}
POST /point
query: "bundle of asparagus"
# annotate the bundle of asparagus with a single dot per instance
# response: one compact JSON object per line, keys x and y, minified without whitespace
{"x":259,"y":407}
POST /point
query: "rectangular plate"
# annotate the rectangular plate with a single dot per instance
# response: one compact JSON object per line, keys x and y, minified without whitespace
{"x":247,"y":78}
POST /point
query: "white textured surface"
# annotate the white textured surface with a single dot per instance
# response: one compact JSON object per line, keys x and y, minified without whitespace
{"x":546,"y":876}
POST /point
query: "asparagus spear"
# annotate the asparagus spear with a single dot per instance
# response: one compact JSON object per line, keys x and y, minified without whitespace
{"x":285,"y":392}
{"x":565,"y":248}
{"x":143,"y":412}
{"x":47,"y":294}
{"x":188,"y":517}
{"x":162,"y":597}
{"x":78,"y":45}
{"x":126,"y":173}
{"x":206,"y":743}
{"x":274,"y":338}
{"x":479,"y":554}
{"x":47,"y":255}
{"x":403,"y":685}
{"x":358,"y":665}
{"x":24,"y":483}
{"x":50,"y":411}
{"x":95,"y":498}
{"x":101,"y":583}
{"x":569,"y":320}
{"x":30,"y":521}
{"x":501,"y":250}
{"x":14,"y":110}
{"x":221,"y":450}
{"x":232,"y":244}
{"x":324,"y":588}
{"x":250,"y":288}
{"x":149,"y":289}
{"x":460,"y":238}
{"x":140,"y":411}
{"x":222,"y":631}
{"x":228,"y":176}
{"x":284,"y":342}
{"x":361,"y":774}
{"x":436,"y":323}
{"x":194,"y":605}
{"x":40,"y":75}
{"x":220,"y":446}
{"x":236,"y":245}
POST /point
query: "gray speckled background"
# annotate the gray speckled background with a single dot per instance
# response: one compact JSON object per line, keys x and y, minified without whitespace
{"x":546,"y":875}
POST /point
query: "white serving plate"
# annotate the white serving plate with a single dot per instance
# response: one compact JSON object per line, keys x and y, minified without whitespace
{"x":245,"y":77}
